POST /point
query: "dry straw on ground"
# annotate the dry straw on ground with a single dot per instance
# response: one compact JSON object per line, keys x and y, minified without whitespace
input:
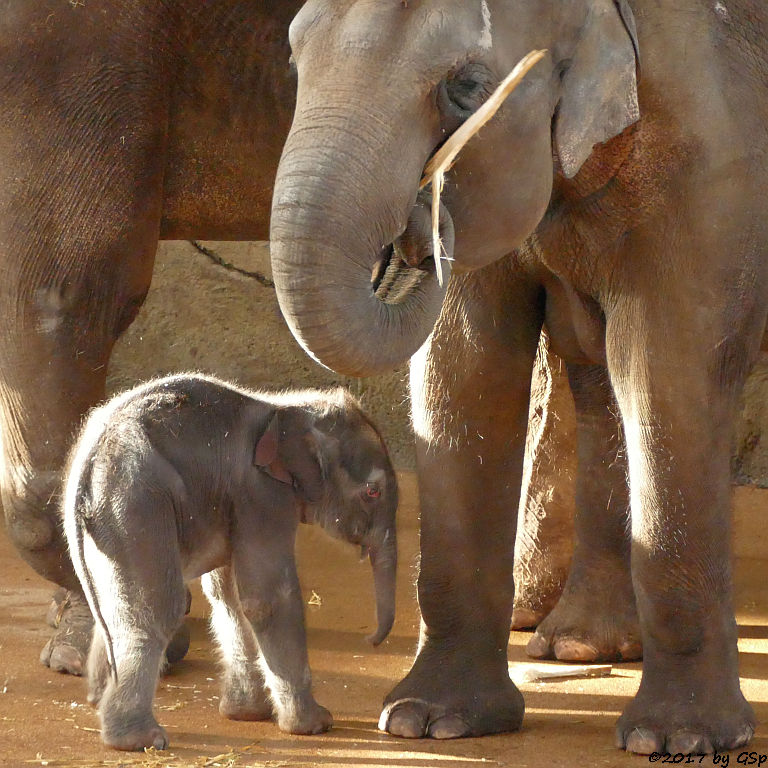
{"x":151,"y":758}
{"x":443,"y":159}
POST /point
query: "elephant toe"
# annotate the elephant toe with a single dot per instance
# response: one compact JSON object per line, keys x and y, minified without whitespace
{"x":641,"y":741}
{"x":449,"y":727}
{"x":526,"y":618}
{"x":689,"y":743}
{"x":539,"y":647}
{"x":407,"y":719}
{"x":571,"y":649}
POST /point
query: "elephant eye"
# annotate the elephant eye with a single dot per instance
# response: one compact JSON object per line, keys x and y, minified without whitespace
{"x":462,"y":92}
{"x":372,"y":490}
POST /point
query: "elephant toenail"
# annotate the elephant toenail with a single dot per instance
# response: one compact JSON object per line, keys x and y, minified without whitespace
{"x":642,"y":741}
{"x":405,"y":719}
{"x":569,"y":649}
{"x":744,"y":736}
{"x":688,"y":743}
{"x":538,"y":647}
{"x":449,"y":727}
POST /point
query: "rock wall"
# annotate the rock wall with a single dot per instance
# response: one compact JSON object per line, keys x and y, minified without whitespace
{"x":211,"y":308}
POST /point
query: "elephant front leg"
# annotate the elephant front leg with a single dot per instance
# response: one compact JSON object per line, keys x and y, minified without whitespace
{"x":595,"y":619}
{"x":270,"y":597}
{"x":243,"y":693}
{"x":80,"y":211}
{"x":677,"y":391}
{"x":470,"y":388}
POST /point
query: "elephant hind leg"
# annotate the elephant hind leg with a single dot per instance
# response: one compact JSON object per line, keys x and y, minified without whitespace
{"x":595,"y":619}
{"x":544,"y":543}
{"x":677,"y":409}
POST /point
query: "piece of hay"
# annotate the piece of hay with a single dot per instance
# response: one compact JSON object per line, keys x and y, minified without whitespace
{"x":443,"y":159}
{"x":531,"y":672}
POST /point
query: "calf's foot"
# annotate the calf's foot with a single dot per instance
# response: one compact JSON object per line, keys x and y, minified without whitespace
{"x":305,"y":719}
{"x":448,"y":696}
{"x":134,"y":737}
{"x":245,"y":702}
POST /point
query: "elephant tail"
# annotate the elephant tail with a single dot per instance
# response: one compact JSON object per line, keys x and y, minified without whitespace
{"x":77,"y":513}
{"x":87,"y":582}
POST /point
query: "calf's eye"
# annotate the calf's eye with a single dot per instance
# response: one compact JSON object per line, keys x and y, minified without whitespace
{"x":372,"y":490}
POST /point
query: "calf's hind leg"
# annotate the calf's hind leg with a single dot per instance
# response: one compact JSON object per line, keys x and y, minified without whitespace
{"x":98,"y":669}
{"x":243,"y":694}
{"x":141,"y":600}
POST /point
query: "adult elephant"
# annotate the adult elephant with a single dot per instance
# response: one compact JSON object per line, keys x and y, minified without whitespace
{"x":645,"y":257}
{"x":122,"y":123}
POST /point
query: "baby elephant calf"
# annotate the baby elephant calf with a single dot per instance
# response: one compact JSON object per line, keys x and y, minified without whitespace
{"x":187,"y":476}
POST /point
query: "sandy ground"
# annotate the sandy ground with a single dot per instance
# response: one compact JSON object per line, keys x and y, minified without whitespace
{"x":44,"y":719}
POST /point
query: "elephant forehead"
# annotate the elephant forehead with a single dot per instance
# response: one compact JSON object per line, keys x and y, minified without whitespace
{"x":435,"y":31}
{"x":362,"y":453}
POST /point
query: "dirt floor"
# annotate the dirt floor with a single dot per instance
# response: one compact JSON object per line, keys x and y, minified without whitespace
{"x":44,"y":719}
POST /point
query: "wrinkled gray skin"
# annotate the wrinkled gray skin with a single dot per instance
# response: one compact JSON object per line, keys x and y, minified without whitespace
{"x":187,"y":476}
{"x":642,"y":248}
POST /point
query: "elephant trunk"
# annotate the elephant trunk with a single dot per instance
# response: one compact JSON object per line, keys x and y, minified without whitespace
{"x":351,"y":244}
{"x":384,"y":563}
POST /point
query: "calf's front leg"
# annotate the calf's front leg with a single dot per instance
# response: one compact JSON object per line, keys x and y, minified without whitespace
{"x":270,"y":597}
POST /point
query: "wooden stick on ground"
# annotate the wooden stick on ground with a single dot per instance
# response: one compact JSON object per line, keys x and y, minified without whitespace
{"x":443,"y":159}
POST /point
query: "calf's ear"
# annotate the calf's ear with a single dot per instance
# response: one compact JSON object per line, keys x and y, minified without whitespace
{"x":289,"y":451}
{"x":266,"y":455}
{"x":599,"y":96}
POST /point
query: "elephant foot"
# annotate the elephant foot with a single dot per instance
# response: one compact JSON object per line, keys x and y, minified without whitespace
{"x":67,"y":649}
{"x":538,"y":586}
{"x":594,"y":621}
{"x":136,"y":738}
{"x":177,"y":648}
{"x":526,"y":617}
{"x":444,"y":700}
{"x":241,"y":702}
{"x":305,"y":720}
{"x":677,"y":719}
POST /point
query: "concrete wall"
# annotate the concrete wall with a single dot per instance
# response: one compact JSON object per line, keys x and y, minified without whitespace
{"x":214,"y":313}
{"x":218,"y":317}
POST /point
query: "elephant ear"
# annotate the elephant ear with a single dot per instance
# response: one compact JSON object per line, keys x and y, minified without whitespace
{"x":288,"y":451}
{"x":599,"y":98}
{"x":266,"y":455}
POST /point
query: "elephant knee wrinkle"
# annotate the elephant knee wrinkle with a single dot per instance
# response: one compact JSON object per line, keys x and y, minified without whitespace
{"x":258,"y":611}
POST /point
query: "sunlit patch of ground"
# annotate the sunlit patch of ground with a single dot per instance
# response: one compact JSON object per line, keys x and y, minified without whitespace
{"x":44,"y":719}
